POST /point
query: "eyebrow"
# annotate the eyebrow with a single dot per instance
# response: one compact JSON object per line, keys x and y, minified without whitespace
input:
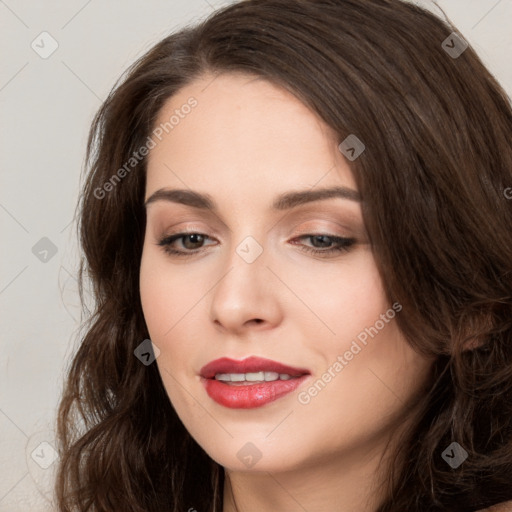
{"x":284,"y":201}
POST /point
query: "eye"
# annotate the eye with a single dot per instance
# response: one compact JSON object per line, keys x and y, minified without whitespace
{"x":188,"y":244}
{"x":191,"y":243}
{"x":324,"y":244}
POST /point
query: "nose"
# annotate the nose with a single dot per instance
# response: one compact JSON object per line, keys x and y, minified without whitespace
{"x":246,"y":297}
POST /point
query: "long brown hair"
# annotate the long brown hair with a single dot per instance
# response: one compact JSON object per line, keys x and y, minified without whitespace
{"x":437,"y":128}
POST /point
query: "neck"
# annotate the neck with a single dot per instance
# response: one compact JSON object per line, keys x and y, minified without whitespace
{"x":346,"y":482}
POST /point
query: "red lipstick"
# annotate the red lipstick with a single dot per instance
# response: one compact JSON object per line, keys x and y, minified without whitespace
{"x":243,"y":394}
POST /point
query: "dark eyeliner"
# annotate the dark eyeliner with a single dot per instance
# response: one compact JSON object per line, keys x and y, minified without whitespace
{"x":342,"y":244}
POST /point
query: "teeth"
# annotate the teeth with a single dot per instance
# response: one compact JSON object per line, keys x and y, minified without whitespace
{"x":235,"y":377}
{"x":252,"y":377}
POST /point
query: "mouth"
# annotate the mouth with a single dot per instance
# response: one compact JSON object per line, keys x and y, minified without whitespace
{"x":252,"y":382}
{"x":251,"y":369}
{"x":247,"y":379}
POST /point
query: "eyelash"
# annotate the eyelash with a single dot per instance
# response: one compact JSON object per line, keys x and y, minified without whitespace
{"x":344,"y":244}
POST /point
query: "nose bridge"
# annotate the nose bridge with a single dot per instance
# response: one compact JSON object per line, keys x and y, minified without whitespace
{"x":250,"y":250}
{"x":246,"y":266}
{"x":243,"y":293}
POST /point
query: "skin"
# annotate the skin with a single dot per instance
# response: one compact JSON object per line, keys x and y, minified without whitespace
{"x":246,"y":142}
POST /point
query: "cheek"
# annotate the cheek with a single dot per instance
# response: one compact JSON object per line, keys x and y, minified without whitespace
{"x":358,"y":325}
{"x":167,"y":305}
{"x":167,"y":295}
{"x":344,"y":297}
{"x":174,"y":311}
{"x":347,"y":297}
{"x":154,"y":301}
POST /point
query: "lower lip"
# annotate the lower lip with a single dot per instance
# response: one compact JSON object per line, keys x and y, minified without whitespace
{"x":251,"y":395}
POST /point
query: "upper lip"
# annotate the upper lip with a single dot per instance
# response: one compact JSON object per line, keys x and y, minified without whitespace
{"x":248,"y":365}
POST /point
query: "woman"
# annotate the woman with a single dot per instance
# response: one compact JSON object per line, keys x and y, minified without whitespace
{"x":297,"y":228}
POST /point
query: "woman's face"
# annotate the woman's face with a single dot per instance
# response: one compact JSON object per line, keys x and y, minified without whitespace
{"x":269,"y":269}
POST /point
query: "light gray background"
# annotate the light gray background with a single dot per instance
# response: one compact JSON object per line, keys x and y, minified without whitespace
{"x":46,"y":107}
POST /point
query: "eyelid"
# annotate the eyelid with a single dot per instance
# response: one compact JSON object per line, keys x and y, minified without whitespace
{"x":186,"y":228}
{"x":314,"y":228}
{"x":161,"y":216}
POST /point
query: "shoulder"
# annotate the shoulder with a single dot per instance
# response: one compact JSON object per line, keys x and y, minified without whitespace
{"x":506,"y":506}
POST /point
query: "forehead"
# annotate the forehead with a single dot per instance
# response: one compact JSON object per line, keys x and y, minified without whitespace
{"x":242,"y":130}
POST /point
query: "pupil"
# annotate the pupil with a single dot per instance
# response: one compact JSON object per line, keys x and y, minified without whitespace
{"x":195,"y":239}
{"x":323,"y":240}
